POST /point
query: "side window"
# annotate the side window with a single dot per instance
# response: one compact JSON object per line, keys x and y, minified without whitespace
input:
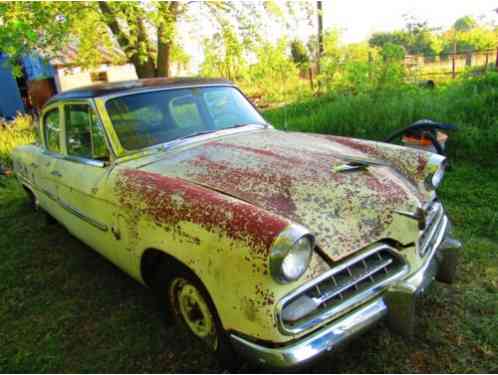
{"x":84,"y":137}
{"x":185,"y":112}
{"x":51,"y":129}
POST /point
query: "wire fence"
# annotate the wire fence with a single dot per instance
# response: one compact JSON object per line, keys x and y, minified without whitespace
{"x":449,"y":65}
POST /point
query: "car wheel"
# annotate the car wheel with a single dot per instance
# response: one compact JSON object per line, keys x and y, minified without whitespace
{"x":191,"y":308}
{"x":188,"y":302}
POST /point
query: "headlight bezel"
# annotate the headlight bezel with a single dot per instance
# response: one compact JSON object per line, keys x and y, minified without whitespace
{"x":437,"y":165}
{"x":283,"y":246}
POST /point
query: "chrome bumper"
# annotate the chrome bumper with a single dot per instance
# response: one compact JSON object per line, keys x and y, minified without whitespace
{"x":397,"y":304}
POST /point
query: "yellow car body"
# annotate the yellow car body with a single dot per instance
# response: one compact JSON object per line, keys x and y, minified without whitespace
{"x":218,"y":202}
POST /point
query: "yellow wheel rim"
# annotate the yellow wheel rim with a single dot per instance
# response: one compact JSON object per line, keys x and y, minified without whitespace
{"x":195,"y":312}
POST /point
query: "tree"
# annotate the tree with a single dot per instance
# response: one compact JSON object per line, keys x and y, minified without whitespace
{"x":299,"y":53}
{"x":146,"y":32}
{"x":465,"y":23}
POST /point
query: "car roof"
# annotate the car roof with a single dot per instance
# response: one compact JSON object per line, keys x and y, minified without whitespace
{"x":138,"y":85}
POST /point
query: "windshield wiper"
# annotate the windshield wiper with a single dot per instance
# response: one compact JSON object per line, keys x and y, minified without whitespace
{"x":195,"y":134}
{"x":246,"y":124}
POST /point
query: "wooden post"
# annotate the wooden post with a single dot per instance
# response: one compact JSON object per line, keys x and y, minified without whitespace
{"x":310,"y":75}
{"x":496,"y":59}
{"x":453,"y":67}
{"x":320,"y":35}
{"x":453,"y":71}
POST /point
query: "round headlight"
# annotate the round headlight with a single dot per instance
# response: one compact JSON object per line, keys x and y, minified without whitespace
{"x":291,"y":254}
{"x":297,"y":259}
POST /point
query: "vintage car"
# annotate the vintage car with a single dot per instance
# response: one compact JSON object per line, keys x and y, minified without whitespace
{"x":273,"y":245}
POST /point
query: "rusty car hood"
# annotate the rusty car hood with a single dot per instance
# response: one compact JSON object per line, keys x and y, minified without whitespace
{"x":298,"y":176}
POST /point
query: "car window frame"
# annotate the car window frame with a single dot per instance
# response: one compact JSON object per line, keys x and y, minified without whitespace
{"x":60,"y":105}
{"x":122,"y":153}
{"x":81,"y":159}
{"x":46,"y":112}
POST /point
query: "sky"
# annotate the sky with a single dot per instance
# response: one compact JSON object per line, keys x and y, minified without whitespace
{"x":359,"y":18}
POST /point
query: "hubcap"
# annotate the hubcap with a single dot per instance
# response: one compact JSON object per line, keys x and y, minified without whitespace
{"x":194,"y":311}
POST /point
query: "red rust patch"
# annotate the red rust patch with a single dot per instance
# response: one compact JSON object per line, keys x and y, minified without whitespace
{"x":169,"y":201}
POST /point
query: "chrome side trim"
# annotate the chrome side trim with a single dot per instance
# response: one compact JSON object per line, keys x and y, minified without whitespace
{"x":85,"y":161}
{"x":76,"y":159}
{"x":76,"y":212}
{"x":319,"y":342}
{"x":83,"y":217}
{"x":348,"y":304}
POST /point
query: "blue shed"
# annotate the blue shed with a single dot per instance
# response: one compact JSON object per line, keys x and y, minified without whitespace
{"x":10,"y":97}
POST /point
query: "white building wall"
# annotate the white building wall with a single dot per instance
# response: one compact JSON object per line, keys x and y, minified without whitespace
{"x":68,"y":78}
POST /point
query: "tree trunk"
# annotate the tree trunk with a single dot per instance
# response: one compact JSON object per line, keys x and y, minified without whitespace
{"x":163,"y":56}
{"x":144,"y":67}
{"x":165,"y":33}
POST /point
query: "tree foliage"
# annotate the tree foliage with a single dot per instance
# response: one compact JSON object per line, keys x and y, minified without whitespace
{"x":299,"y":53}
{"x":146,"y":33}
{"x":419,"y":38}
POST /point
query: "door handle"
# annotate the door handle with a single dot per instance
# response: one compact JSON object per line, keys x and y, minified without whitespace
{"x":56,"y":173}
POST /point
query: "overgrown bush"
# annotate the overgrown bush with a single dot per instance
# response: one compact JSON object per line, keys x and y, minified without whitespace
{"x":14,"y":133}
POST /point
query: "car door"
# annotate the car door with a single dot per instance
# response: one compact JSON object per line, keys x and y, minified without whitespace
{"x":82,"y":181}
{"x":44,"y":165}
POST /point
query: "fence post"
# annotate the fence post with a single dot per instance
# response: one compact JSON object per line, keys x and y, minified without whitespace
{"x":453,"y":67}
{"x":497,"y":58}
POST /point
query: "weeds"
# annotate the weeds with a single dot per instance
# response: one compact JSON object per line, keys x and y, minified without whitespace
{"x":469,"y":103}
{"x":15,"y":133}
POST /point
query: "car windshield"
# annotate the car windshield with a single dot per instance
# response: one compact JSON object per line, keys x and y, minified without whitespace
{"x":148,"y":119}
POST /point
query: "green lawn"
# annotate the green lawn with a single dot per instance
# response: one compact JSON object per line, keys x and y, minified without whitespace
{"x":63,"y":308}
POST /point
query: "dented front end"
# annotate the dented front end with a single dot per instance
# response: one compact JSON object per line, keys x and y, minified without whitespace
{"x":220,"y":205}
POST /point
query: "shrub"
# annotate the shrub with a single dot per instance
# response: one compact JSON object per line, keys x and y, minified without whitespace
{"x":14,"y":133}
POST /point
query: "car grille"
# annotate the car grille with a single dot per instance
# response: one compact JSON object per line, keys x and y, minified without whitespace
{"x":344,"y":287}
{"x":433,"y":226}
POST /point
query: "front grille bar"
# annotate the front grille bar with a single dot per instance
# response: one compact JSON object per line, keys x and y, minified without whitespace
{"x":345,"y":287}
{"x":354,"y":282}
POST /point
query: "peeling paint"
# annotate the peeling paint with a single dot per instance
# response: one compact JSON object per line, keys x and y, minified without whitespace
{"x":291,"y":175}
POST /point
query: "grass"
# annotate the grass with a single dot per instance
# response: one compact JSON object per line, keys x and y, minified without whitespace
{"x":469,"y":103}
{"x":63,"y":308}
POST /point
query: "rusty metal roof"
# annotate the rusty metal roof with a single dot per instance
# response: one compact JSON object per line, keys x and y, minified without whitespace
{"x":105,"y":89}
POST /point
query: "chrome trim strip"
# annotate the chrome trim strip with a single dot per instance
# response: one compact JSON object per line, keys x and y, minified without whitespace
{"x":347,"y":305}
{"x":414,"y":282}
{"x":433,"y":226}
{"x":327,"y":296}
{"x":76,"y":212}
{"x":320,"y":342}
{"x":83,"y":217}
{"x":84,"y":161}
{"x":76,"y":159}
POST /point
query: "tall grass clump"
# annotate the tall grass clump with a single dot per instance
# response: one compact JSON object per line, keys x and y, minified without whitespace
{"x":470,"y":103}
{"x":14,"y":133}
